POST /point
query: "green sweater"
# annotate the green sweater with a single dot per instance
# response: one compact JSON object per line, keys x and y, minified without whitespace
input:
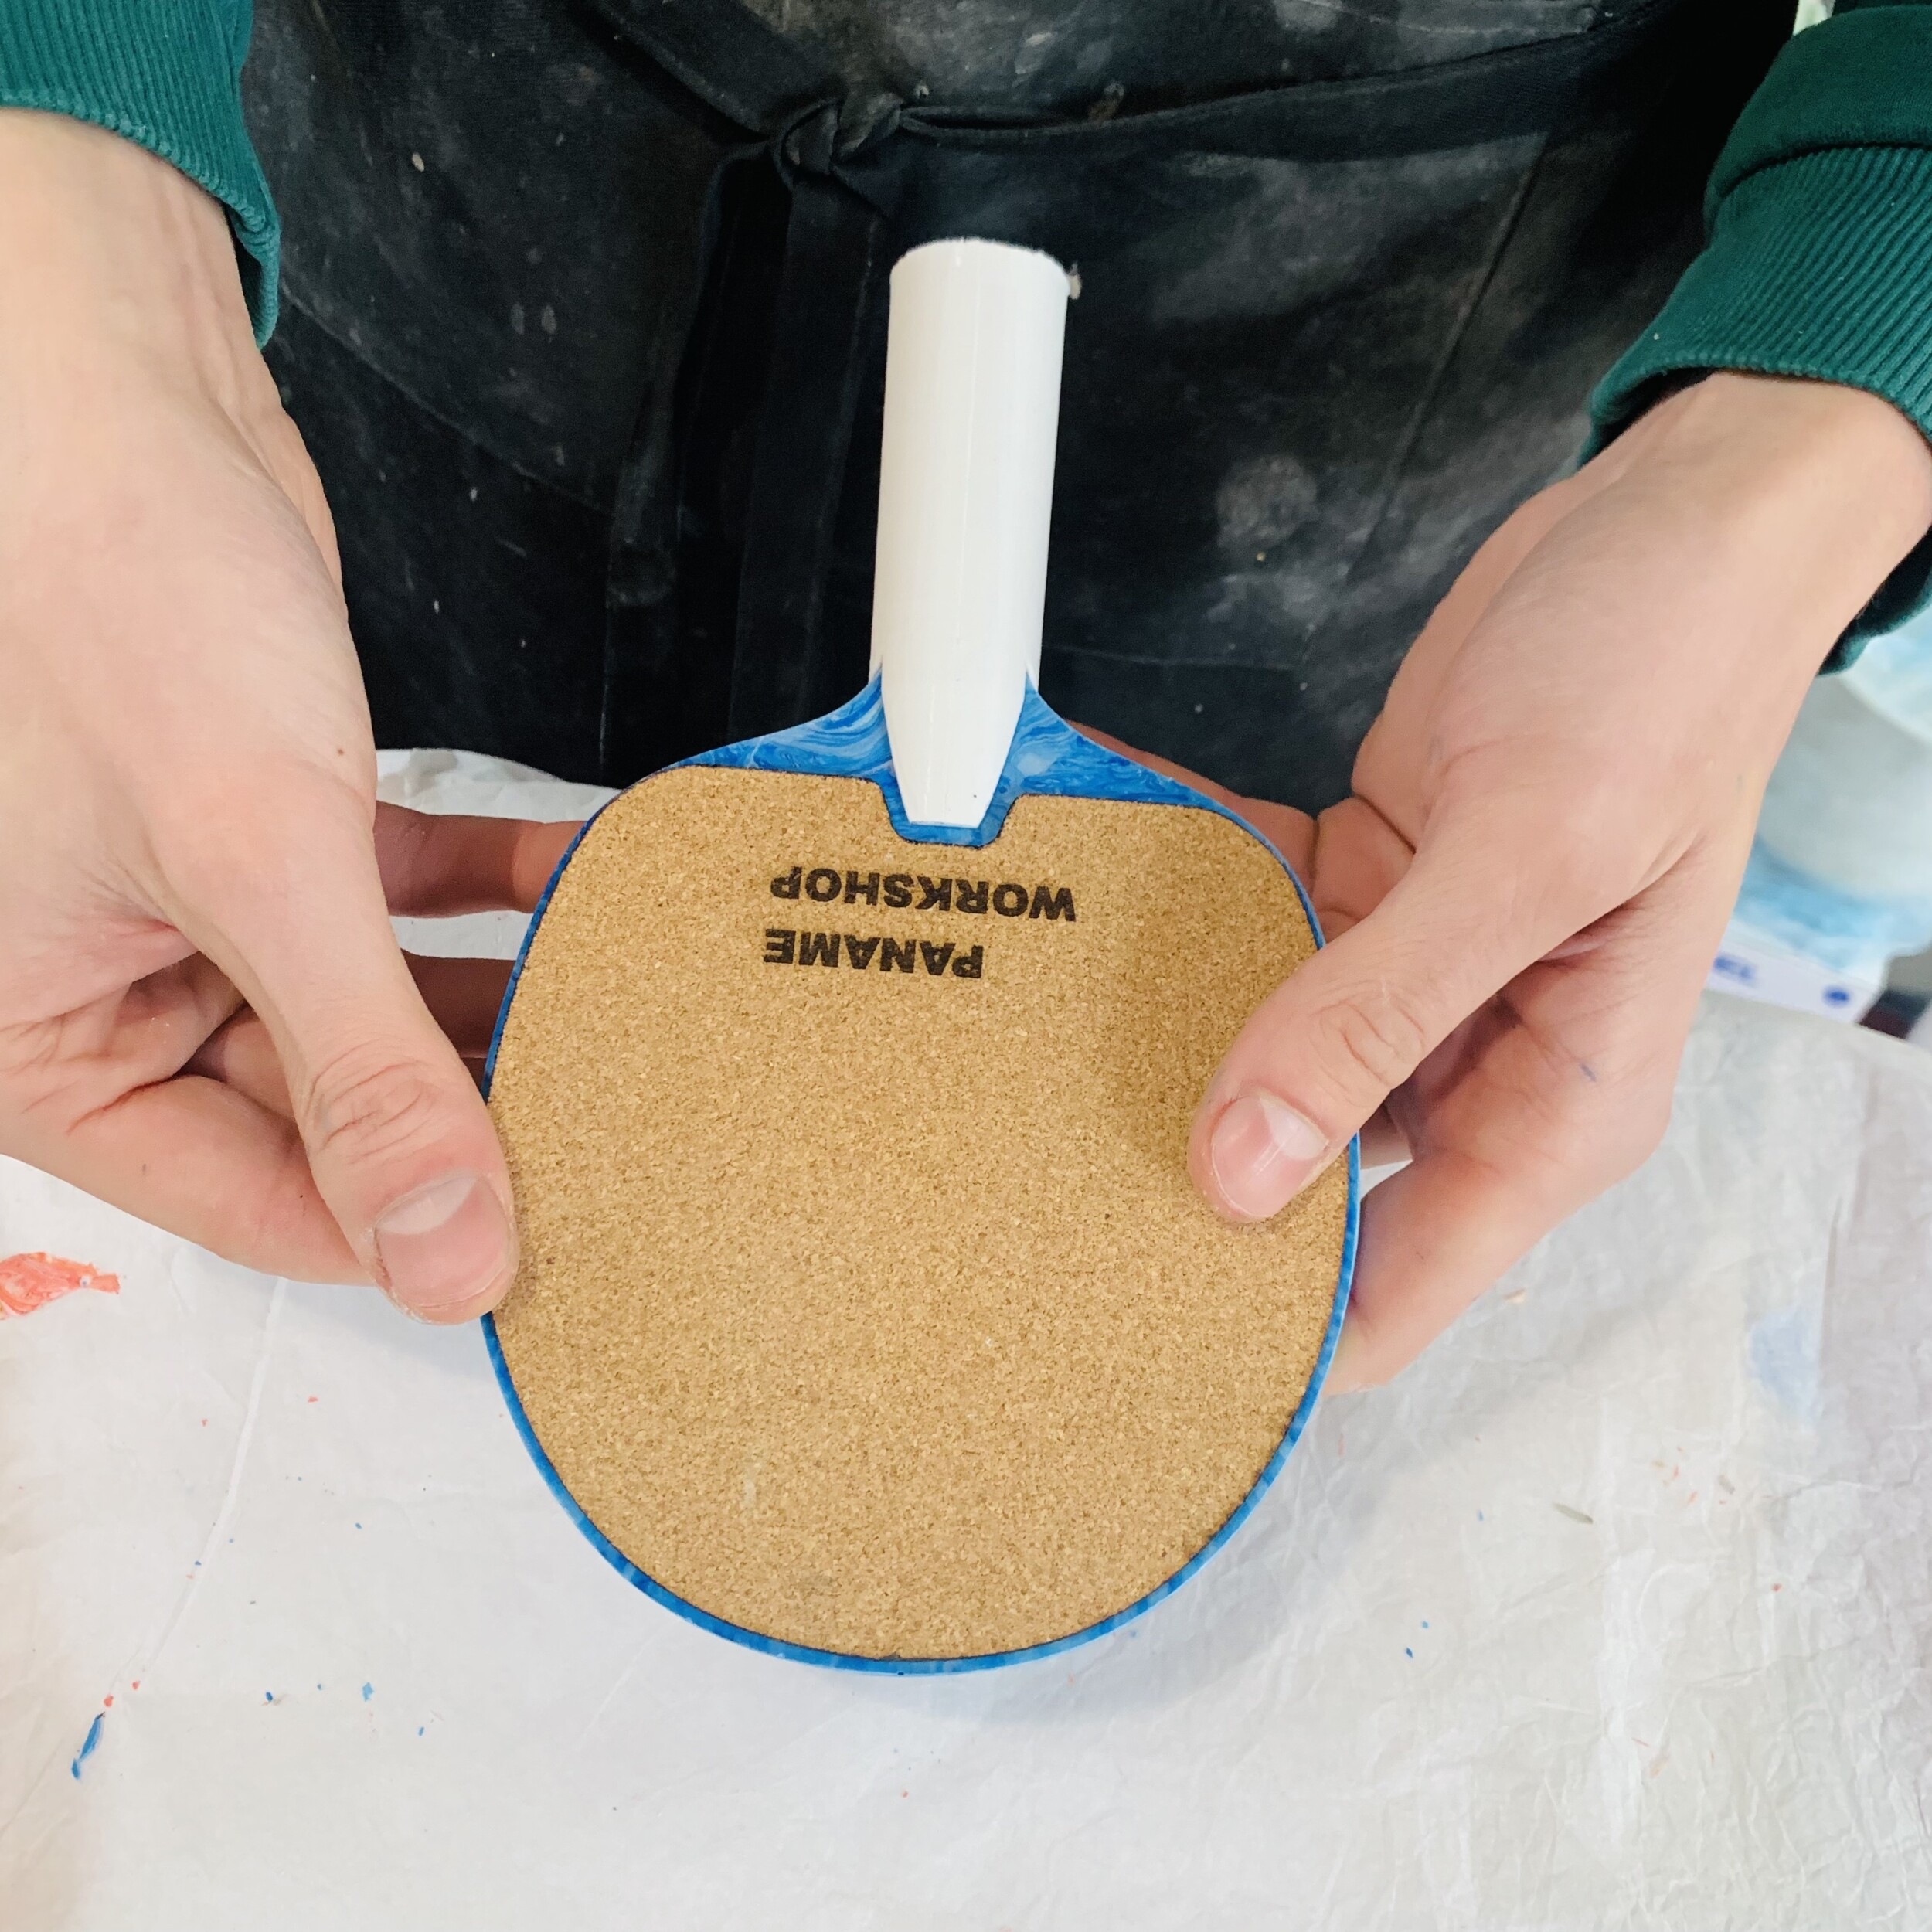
{"x":1819,"y":260}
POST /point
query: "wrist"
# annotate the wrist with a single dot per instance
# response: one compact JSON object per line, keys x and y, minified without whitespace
{"x":122,"y":264}
{"x":1843,"y":454}
{"x":1806,"y":494}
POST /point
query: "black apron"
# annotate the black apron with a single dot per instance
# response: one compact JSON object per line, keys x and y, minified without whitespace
{"x":584,"y":321}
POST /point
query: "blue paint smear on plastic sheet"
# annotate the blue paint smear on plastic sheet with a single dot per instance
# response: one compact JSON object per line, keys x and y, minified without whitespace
{"x":1048,"y":759}
{"x":1783,"y":1349}
{"x":88,"y":1743}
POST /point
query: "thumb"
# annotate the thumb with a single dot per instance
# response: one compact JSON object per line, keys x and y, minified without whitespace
{"x":398,"y":1138}
{"x":1324,"y":1050}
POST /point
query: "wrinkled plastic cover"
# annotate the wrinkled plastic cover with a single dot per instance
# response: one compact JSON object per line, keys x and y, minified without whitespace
{"x":1615,"y":1610}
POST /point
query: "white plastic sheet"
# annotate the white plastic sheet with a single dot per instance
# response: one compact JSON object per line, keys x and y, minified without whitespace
{"x":1613,"y":1612}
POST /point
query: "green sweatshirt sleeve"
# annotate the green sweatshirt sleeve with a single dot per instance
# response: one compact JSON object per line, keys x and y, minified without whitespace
{"x":166,"y":74}
{"x":1817,"y":260}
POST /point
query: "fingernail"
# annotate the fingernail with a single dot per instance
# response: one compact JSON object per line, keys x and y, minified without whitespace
{"x":443,"y":1248}
{"x":1263,"y":1152}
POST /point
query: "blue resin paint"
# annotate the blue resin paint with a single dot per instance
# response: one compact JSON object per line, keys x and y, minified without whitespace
{"x":1048,"y":758}
{"x":88,"y":1743}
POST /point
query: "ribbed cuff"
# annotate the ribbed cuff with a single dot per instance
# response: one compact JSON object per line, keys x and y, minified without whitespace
{"x":167,"y":74}
{"x":1819,"y":267}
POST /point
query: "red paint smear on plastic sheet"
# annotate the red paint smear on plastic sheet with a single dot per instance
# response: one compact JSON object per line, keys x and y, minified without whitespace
{"x":30,"y":1281}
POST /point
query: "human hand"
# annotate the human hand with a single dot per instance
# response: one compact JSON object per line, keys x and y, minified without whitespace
{"x":204,"y":1017}
{"x":1549,"y":822}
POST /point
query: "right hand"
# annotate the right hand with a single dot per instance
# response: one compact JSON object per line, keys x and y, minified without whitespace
{"x":204,"y":1016}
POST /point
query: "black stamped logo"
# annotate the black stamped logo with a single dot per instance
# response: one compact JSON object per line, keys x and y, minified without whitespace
{"x":902,"y":892}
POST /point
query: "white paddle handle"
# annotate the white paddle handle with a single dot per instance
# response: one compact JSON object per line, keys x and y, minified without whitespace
{"x":965,"y":498}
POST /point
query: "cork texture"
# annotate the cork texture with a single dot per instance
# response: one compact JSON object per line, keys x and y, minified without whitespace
{"x":866,"y":1302}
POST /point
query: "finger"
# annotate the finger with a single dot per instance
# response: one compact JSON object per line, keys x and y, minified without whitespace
{"x":1383,"y":1142}
{"x":1291,"y":832}
{"x":465,"y":996}
{"x":1325,"y":1049}
{"x":241,"y":1056}
{"x":434,"y":864}
{"x":399,"y":1143}
{"x":1535,"y":1142}
{"x":1556,"y":1089}
{"x":1503,"y":1150}
{"x":145,"y":1033}
{"x":1434,"y":1237}
{"x":203,"y":1162}
{"x":1358,"y":859}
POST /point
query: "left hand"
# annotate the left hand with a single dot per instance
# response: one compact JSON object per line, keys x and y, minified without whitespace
{"x":1549,"y":823}
{"x":144,"y":1043}
{"x":432,"y":867}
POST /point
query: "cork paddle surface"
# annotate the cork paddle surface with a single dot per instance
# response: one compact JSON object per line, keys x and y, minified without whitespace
{"x":866,"y":1306}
